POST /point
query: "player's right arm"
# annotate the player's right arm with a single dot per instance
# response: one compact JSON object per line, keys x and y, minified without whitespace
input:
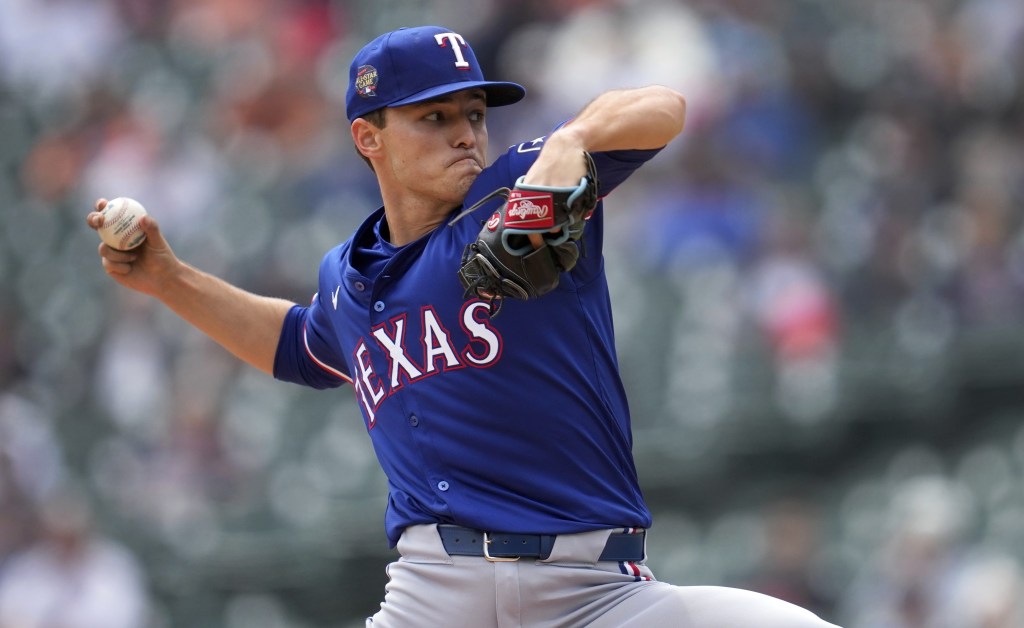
{"x":622,"y":119}
{"x":246,"y":324}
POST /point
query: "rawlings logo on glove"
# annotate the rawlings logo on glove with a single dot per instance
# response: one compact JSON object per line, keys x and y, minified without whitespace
{"x":504,"y":263}
{"x":524,"y":213}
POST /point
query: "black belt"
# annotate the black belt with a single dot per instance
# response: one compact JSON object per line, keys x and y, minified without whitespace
{"x":503,"y":546}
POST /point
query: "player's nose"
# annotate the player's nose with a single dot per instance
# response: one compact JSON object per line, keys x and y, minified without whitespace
{"x":464,"y":134}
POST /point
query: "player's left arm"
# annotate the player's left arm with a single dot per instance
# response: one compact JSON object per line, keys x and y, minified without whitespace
{"x":641,"y":118}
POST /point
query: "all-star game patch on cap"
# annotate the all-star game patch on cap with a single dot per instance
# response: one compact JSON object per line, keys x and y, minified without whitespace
{"x":411,"y":65}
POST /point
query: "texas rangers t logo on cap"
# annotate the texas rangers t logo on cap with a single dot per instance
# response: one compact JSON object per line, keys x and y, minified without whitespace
{"x":457,"y":43}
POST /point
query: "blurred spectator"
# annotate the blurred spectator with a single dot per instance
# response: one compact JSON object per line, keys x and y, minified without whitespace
{"x":81,"y":37}
{"x":72,"y":577}
{"x":16,"y":523}
{"x":30,"y":467}
{"x":990,"y":189}
{"x":794,"y":307}
{"x":791,"y":568}
{"x":789,"y":295}
{"x":31,"y":454}
{"x":990,"y":594}
{"x":912,"y":579}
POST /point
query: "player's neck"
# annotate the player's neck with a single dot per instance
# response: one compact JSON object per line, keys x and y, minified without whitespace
{"x":408,"y":226}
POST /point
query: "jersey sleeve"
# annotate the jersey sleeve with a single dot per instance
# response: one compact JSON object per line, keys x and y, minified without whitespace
{"x":304,"y":353}
{"x":614,"y":167}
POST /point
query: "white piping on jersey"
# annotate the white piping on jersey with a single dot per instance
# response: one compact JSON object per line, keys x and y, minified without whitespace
{"x":330,"y":369}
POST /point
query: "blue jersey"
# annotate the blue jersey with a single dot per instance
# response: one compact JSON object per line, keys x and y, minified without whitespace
{"x":517,"y":423}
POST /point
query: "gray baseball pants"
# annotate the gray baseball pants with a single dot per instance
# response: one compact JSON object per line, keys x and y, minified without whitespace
{"x":428,"y":588}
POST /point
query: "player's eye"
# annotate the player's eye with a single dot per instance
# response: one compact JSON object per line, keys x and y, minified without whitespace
{"x":434,"y":116}
{"x":477,"y":116}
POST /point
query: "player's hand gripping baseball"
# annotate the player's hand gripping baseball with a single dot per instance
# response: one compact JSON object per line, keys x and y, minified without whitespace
{"x":146,"y":268}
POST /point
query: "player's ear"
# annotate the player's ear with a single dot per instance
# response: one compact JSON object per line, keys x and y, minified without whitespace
{"x":366,"y":137}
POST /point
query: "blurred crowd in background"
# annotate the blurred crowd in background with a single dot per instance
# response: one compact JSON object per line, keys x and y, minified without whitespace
{"x":819,"y":294}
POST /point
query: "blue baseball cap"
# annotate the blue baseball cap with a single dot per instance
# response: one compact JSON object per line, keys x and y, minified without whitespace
{"x":411,"y":65}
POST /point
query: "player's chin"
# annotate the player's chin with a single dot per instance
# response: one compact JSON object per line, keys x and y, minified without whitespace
{"x":461,"y":182}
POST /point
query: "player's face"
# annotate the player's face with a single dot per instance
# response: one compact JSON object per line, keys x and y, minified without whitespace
{"x":437,"y":148}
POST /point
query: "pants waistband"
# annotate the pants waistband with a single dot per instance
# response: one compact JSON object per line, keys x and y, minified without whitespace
{"x":459,"y":541}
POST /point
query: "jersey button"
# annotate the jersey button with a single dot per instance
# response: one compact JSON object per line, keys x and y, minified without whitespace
{"x":414,"y":420}
{"x":378,"y":306}
{"x":442,"y":486}
{"x":360,"y":286}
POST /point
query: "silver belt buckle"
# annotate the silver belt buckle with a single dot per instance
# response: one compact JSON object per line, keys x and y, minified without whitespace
{"x":496,"y":559}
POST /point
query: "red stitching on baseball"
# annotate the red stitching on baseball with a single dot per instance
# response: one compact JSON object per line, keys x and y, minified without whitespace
{"x":113,"y":216}
{"x":127,"y":236}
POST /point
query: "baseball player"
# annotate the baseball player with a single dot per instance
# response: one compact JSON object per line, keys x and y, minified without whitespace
{"x":470,"y":315}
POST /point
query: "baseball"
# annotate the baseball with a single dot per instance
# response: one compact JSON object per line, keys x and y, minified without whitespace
{"x":121,"y":223}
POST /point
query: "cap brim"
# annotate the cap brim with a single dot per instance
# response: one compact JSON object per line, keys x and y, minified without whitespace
{"x":499,"y":93}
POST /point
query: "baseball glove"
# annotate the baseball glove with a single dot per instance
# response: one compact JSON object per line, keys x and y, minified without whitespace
{"x":503,"y":263}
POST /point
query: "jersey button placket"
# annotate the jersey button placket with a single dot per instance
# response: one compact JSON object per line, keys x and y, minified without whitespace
{"x":442,"y":486}
{"x":414,"y":420}
{"x":378,"y":306}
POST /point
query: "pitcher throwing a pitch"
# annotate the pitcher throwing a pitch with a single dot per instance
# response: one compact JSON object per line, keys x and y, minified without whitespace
{"x":471,"y":317}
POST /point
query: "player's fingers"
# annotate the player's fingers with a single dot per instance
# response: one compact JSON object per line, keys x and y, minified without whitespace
{"x":150,"y":226}
{"x":94,"y":220}
{"x":109,"y":253}
{"x":116,"y":268}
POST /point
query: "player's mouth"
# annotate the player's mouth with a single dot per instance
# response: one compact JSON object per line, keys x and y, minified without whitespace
{"x":466,"y":160}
